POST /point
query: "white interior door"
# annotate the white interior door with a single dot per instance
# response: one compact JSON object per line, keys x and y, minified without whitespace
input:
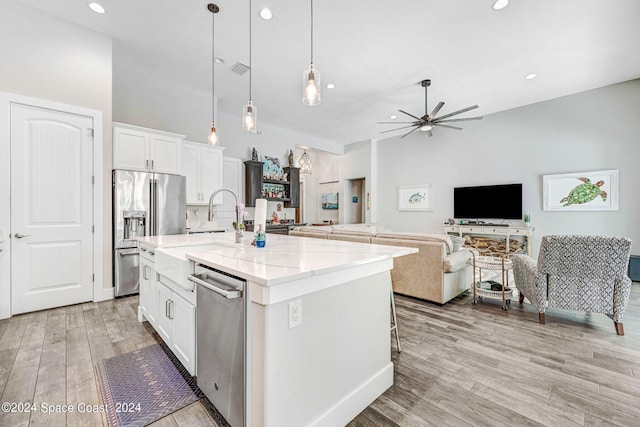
{"x":51,"y":208}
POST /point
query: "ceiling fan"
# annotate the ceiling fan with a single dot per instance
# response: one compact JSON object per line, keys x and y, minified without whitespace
{"x":426,"y":122}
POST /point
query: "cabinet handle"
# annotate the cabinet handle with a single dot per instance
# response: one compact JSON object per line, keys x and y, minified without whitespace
{"x":151,"y":164}
{"x":166,"y":309}
{"x":170,"y":309}
{"x":144,"y":272}
{"x":147,"y":164}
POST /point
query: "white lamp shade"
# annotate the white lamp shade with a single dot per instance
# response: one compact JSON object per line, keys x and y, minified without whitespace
{"x":311,"y":84}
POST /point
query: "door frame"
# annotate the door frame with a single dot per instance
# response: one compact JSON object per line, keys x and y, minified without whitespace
{"x":6,"y":100}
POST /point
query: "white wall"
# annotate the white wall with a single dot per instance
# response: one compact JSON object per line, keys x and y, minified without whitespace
{"x":588,"y":131}
{"x":325,"y":170}
{"x":48,"y":58}
{"x":145,"y":95}
{"x":357,"y":162}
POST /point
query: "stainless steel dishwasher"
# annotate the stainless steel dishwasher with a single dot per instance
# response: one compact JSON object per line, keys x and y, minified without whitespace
{"x":221,"y":335}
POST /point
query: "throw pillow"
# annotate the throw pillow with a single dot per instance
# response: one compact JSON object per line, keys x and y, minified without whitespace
{"x":456,"y":243}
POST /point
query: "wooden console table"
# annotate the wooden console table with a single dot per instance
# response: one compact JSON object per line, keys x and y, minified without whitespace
{"x":506,"y":233}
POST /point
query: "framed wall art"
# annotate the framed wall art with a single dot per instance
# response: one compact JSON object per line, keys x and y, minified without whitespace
{"x":329,"y":200}
{"x":415,"y":197}
{"x":581,"y":191}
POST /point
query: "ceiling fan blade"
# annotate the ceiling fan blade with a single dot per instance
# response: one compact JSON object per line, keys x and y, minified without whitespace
{"x":409,"y":133}
{"x":410,"y":115}
{"x":446,"y":126}
{"x":464,"y":110}
{"x":392,"y":130}
{"x":392,"y":123}
{"x":436,"y":110}
{"x":456,"y":120}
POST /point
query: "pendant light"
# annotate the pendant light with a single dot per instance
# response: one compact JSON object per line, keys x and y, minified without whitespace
{"x":249,"y":112}
{"x":213,"y":134}
{"x":305,"y":164}
{"x":311,"y":83}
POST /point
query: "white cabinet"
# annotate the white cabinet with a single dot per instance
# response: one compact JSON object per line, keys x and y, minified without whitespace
{"x":202,"y":165}
{"x":504,"y":233}
{"x":148,"y":307}
{"x":141,"y":149}
{"x":176,"y":325}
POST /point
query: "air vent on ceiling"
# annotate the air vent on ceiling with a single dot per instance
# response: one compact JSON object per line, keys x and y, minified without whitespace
{"x":240,"y":68}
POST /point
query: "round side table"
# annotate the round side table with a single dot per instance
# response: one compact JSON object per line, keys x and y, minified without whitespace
{"x":492,"y":263}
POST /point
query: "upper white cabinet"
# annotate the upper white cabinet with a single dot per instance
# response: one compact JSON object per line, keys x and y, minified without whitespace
{"x":141,"y":149}
{"x":202,"y":165}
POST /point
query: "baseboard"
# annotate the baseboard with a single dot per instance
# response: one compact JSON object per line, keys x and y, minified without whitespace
{"x":357,"y":401}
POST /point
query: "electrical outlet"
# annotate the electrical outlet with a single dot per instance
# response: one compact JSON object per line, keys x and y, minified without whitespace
{"x":295,"y":313}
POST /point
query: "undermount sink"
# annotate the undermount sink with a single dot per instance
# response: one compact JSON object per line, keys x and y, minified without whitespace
{"x":172,"y":263}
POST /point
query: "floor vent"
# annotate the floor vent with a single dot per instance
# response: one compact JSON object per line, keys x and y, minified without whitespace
{"x":240,"y":68}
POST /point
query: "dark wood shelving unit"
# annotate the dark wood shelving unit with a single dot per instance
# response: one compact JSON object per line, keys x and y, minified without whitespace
{"x":253,"y":182}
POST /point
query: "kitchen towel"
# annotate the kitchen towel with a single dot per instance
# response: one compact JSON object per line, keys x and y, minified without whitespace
{"x":261,"y":215}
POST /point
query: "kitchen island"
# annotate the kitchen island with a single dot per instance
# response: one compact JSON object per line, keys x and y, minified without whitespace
{"x":336,"y":357}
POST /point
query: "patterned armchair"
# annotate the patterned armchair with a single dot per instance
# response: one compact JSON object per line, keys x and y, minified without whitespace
{"x":585,"y":273}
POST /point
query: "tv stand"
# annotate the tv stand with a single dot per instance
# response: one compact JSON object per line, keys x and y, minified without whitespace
{"x":501,"y":232}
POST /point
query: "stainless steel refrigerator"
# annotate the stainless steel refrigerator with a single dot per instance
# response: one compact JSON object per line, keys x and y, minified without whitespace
{"x":144,"y":204}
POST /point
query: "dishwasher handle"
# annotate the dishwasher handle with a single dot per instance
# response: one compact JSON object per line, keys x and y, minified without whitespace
{"x":229,"y":294}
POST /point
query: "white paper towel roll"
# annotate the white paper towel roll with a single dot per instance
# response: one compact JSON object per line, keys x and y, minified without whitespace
{"x":261,"y":215}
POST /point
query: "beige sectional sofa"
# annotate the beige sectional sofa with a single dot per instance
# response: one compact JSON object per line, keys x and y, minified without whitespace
{"x":436,"y":273}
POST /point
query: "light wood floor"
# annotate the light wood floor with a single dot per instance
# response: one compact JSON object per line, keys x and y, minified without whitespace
{"x":461,"y":365}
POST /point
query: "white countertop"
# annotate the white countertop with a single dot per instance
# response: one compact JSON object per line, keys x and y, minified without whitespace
{"x":176,"y":240}
{"x":285,"y":258}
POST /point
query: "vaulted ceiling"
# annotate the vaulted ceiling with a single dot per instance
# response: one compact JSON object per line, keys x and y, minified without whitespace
{"x":376,"y":53}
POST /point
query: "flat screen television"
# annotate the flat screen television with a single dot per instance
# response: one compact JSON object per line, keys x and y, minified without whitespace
{"x":488,"y":202}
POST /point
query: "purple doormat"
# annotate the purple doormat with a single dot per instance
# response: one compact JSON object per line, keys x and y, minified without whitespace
{"x":142,"y":386}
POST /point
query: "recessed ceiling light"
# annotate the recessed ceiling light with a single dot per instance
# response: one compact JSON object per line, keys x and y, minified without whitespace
{"x":530,"y":76}
{"x":393,"y":117}
{"x":96,"y":7}
{"x":499,"y":4}
{"x":266,"y":14}
{"x":330,"y":86}
{"x":218,"y":60}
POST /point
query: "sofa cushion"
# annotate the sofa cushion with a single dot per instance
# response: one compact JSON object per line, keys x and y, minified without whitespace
{"x":353,"y":232}
{"x":456,"y":261}
{"x":442,"y":238}
{"x":456,"y":242}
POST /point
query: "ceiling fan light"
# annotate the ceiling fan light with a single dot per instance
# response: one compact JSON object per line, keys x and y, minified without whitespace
{"x":426,"y":127}
{"x":249,"y":117}
{"x":311,"y":83}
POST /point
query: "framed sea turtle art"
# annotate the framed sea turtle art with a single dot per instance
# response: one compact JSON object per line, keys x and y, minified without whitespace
{"x":581,"y":191}
{"x":415,"y":197}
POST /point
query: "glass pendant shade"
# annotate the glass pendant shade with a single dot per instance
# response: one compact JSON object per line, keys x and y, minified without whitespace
{"x":249,"y":117}
{"x":311,"y":84}
{"x":213,"y":135}
{"x":305,"y":164}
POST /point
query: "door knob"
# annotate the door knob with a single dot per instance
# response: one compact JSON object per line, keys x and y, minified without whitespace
{"x":20,"y":235}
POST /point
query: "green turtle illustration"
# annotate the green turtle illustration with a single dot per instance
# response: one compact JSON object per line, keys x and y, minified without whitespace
{"x":585,"y":193}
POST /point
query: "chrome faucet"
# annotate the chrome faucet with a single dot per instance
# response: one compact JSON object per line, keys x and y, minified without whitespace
{"x":238,"y":234}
